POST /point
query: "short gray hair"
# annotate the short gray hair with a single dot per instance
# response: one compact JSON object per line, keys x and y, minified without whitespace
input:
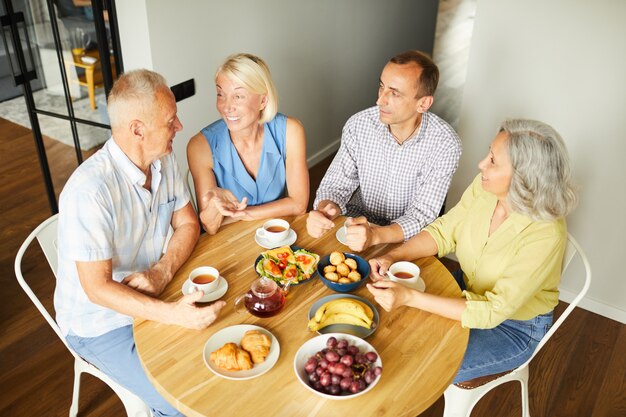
{"x":134,"y":90}
{"x":541,"y":186}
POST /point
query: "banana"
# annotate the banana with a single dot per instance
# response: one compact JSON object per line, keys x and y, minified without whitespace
{"x":343,"y":310}
{"x":344,"y":305}
{"x":343,"y":318}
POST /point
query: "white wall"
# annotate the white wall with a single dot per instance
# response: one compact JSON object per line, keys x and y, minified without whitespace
{"x":325,"y":55}
{"x":561,"y":62}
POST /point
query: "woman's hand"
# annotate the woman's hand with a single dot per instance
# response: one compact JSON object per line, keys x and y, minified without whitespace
{"x":379,"y":267}
{"x":227,"y":204}
{"x":390,"y":294}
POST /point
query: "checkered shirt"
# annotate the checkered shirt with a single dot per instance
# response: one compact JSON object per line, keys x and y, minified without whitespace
{"x":106,"y":213}
{"x":374,"y":176}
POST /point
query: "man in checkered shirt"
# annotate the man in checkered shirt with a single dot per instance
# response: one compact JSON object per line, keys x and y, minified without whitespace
{"x":395,"y":162}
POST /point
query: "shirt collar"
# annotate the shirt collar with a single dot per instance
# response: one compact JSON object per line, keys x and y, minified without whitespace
{"x":417,"y":136}
{"x":126,"y":166}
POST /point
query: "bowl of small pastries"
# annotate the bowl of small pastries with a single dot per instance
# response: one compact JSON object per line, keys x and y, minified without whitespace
{"x":343,"y":272}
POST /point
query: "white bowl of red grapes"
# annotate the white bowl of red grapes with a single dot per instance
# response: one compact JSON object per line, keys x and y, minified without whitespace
{"x":338,"y":366}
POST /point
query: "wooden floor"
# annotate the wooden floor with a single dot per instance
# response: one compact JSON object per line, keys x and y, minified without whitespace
{"x":581,"y":372}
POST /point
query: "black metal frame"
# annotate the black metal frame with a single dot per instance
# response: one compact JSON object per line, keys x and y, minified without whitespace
{"x":11,"y":20}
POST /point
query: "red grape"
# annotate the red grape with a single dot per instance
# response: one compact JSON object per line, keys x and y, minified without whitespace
{"x":325,"y":379}
{"x":339,"y":368}
{"x":331,"y":342}
{"x":354,"y":387}
{"x":310,"y":365}
{"x":332,"y":356}
{"x":347,"y":360}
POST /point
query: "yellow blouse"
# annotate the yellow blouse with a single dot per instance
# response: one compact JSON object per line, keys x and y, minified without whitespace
{"x":512,"y":274}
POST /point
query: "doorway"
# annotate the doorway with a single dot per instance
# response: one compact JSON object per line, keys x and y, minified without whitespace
{"x":60,"y":57}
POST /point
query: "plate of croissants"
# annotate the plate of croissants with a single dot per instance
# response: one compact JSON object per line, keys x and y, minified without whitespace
{"x":243,"y":351}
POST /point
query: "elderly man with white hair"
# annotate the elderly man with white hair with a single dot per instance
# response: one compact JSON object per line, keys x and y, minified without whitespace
{"x":115,"y":214}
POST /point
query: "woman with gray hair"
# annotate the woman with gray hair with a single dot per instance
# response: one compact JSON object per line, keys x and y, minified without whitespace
{"x":509,"y":235}
{"x":251,"y":163}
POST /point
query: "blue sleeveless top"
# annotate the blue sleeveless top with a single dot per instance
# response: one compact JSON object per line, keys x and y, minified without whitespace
{"x":230,"y":171}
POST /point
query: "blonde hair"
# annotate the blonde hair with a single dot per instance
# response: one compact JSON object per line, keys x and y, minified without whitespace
{"x":541,"y":186}
{"x":134,"y":93}
{"x":254,"y":74}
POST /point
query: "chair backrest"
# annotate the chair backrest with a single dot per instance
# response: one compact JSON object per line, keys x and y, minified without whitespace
{"x":46,"y":235}
{"x":572,"y":249}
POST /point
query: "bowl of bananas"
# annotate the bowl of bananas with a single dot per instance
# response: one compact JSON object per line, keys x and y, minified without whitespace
{"x":343,"y":272}
{"x":343,"y":313}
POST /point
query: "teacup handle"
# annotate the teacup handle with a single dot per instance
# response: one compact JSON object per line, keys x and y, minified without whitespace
{"x":192,"y":288}
{"x":260,"y":232}
{"x":239,"y":306}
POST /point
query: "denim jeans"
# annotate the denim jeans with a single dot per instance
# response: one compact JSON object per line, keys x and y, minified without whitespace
{"x":505,"y":347}
{"x":114,"y":353}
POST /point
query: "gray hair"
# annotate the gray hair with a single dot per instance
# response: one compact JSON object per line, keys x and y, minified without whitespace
{"x":134,"y":94}
{"x":541,"y":186}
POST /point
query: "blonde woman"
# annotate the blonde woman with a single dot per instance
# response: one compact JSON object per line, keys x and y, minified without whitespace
{"x":250,"y":164}
{"x":509,"y":234}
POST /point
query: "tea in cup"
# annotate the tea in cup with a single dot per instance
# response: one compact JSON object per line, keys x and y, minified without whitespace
{"x":406,"y":273}
{"x":204,"y":278}
{"x":275,"y":230}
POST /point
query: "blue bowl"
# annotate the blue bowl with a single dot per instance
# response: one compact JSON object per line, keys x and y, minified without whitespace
{"x":361,"y":265}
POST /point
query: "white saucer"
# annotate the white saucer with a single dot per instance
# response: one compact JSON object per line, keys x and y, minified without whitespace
{"x":222,"y":287}
{"x":420,"y":285}
{"x":289,"y":240}
{"x":341,"y":235}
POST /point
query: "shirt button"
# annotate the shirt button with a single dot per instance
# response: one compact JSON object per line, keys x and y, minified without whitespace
{"x":497,"y":305}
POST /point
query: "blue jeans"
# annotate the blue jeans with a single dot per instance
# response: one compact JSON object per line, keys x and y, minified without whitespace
{"x":505,"y":347}
{"x":114,"y":353}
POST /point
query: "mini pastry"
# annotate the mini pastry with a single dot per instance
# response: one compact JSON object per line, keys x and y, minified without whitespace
{"x":336,"y":258}
{"x":231,"y":358}
{"x":354,"y":276}
{"x":331,"y":276}
{"x":351,"y":263}
{"x":257,"y":344}
{"x":329,"y":268}
{"x":343,"y":269}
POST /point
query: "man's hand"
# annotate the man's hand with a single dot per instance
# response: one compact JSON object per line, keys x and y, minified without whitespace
{"x":188,"y":315}
{"x":320,"y":221}
{"x":151,"y":282}
{"x":359,"y":234}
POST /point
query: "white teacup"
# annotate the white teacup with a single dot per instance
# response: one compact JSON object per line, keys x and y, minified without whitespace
{"x":204,"y":278}
{"x":405,"y":273}
{"x":275,"y":230}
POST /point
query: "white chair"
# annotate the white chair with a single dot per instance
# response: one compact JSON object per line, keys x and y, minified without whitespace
{"x":459,"y":402}
{"x":46,"y":234}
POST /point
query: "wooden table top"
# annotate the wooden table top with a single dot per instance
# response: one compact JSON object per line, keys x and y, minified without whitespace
{"x":420,"y":352}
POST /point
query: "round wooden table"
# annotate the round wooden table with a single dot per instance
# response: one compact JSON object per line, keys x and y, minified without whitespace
{"x":421,"y":352}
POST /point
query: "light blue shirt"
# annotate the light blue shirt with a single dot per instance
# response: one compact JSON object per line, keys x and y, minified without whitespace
{"x":230,"y":172}
{"x":106,"y":213}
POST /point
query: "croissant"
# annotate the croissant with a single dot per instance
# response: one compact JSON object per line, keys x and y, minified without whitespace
{"x":231,"y":358}
{"x":257,"y":344}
